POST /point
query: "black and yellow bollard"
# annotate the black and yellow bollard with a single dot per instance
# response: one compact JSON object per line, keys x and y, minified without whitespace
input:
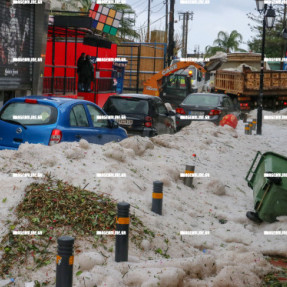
{"x":122,"y":226}
{"x":188,"y":171}
{"x":247,"y":129}
{"x":250,"y":127}
{"x":65,"y":262}
{"x":157,"y":197}
{"x":254,"y":123}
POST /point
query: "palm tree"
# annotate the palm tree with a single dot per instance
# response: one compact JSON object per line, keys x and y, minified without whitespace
{"x":225,"y":42}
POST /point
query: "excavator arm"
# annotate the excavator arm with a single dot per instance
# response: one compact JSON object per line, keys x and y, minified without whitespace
{"x":153,"y":85}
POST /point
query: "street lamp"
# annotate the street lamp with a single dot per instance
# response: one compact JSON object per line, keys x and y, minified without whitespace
{"x":270,"y":17}
{"x":260,"y":5}
{"x":268,"y":21}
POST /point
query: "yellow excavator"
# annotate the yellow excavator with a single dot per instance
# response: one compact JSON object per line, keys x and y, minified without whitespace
{"x":175,"y":82}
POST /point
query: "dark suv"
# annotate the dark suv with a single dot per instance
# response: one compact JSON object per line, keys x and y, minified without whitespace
{"x":144,"y":115}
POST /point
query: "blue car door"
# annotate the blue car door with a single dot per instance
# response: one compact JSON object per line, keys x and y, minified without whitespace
{"x":102,"y":127}
{"x":79,"y":126}
{"x":11,"y":135}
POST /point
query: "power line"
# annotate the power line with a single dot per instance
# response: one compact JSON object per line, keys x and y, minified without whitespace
{"x":142,"y":12}
{"x":158,"y":10}
{"x":146,"y":9}
{"x":157,"y":5}
{"x":137,"y":6}
{"x":151,"y":23}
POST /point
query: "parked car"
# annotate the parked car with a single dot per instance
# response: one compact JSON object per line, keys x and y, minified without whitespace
{"x":204,"y":107}
{"x":51,"y":120}
{"x":145,"y":115}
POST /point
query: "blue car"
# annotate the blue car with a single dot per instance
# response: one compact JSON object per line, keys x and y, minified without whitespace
{"x":51,"y":120}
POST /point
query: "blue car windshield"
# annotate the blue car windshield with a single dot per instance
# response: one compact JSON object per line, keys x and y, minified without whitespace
{"x":30,"y":114}
{"x":201,"y":100}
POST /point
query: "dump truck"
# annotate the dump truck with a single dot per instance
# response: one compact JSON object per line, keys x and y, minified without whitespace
{"x":243,"y":84}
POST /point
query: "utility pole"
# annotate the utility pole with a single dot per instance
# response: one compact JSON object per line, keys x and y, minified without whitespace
{"x":183,"y":36}
{"x":186,"y":34}
{"x":148,"y":22}
{"x":284,"y":43}
{"x":186,"y":16}
{"x":166,"y":21}
{"x":171,"y":44}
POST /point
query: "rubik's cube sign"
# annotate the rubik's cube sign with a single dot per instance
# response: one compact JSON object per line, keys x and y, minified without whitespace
{"x":105,"y":19}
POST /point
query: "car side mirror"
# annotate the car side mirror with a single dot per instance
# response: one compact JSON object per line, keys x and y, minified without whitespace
{"x":171,"y":113}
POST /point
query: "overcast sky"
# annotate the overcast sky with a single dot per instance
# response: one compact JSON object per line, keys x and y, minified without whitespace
{"x":208,"y":19}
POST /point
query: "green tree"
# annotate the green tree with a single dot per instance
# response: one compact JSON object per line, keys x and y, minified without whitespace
{"x":225,"y":42}
{"x":274,"y":42}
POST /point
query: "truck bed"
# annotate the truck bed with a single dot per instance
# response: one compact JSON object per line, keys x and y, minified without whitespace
{"x":247,"y":83}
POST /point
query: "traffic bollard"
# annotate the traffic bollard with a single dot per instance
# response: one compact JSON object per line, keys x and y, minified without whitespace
{"x":65,"y":261}
{"x":189,"y":180}
{"x":254,"y":123}
{"x":250,"y":127}
{"x":157,"y":197}
{"x":122,"y":225}
{"x":247,"y":129}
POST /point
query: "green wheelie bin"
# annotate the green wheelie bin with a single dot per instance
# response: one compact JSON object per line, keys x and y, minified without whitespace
{"x":267,"y":177}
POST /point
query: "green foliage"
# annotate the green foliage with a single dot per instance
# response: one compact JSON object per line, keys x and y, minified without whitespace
{"x":274,"y":42}
{"x":52,"y":208}
{"x":225,"y":42}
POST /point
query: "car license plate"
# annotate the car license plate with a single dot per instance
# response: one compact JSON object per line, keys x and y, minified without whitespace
{"x":125,"y":122}
{"x":196,"y":113}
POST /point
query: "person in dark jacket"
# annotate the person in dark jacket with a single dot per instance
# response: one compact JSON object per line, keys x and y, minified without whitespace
{"x":80,"y":63}
{"x":87,"y":73}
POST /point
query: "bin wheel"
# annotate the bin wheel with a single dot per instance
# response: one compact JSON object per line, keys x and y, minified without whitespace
{"x":253,"y":216}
